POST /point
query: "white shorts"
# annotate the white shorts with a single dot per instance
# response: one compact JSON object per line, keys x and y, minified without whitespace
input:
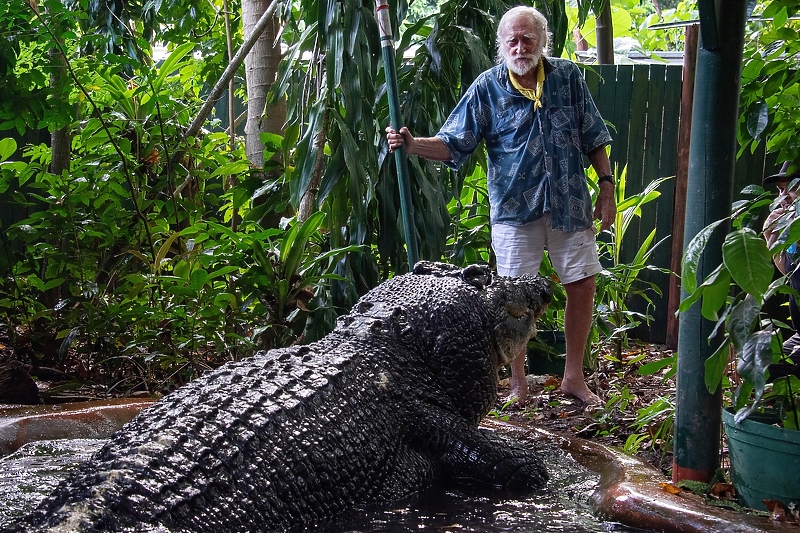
{"x":519,"y":250}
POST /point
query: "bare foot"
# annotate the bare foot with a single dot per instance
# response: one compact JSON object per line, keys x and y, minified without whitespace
{"x":579,"y":390}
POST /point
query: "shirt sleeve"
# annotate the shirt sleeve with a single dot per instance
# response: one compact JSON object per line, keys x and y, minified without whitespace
{"x":465,"y":127}
{"x":594,"y":132}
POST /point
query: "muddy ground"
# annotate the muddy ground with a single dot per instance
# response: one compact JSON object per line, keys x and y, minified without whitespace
{"x":626,"y":420}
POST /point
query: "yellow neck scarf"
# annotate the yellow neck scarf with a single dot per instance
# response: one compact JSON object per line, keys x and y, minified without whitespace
{"x":531,"y":94}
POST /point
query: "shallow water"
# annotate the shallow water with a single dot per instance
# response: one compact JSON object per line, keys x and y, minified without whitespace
{"x":30,"y":473}
{"x":33,"y":471}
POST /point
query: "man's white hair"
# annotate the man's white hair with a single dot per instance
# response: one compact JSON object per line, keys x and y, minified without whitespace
{"x":534,"y":16}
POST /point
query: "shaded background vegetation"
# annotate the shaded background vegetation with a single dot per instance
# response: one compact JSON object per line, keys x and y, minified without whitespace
{"x":135,"y":255}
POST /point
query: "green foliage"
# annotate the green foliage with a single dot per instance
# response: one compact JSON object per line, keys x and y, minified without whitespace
{"x":632,"y":26}
{"x":653,"y":40}
{"x":770,"y":97}
{"x":126,"y":258}
{"x":128,"y":253}
{"x":733,"y":295}
{"x":620,"y":280}
{"x":502,"y":413}
{"x":470,"y":241}
{"x":658,"y":421}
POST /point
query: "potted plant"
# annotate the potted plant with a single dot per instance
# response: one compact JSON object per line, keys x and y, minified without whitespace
{"x":761,"y":421}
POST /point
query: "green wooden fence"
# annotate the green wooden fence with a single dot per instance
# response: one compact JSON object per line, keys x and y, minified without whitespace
{"x":642,"y":104}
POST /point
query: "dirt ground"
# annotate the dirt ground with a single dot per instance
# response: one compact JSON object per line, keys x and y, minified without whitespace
{"x":624,"y":418}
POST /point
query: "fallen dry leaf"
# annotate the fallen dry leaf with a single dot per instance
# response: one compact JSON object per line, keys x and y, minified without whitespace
{"x":723,"y":491}
{"x":776,"y":510}
{"x":670,"y":487}
{"x":552,"y":381}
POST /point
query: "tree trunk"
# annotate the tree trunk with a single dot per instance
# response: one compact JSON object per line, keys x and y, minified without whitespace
{"x":309,"y":200}
{"x":604,"y":35}
{"x":60,"y":138}
{"x":261,"y":69}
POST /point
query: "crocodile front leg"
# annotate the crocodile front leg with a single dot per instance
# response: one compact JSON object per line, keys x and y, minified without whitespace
{"x":469,"y":452}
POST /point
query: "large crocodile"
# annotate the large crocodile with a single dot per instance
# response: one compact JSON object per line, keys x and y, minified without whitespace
{"x":383,"y":406}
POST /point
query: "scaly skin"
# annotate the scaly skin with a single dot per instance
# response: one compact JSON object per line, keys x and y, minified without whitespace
{"x":383,"y":406}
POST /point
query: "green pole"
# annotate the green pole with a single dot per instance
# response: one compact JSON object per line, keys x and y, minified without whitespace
{"x":406,"y":206}
{"x":712,"y":156}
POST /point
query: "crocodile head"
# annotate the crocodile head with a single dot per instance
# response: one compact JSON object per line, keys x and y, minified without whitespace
{"x":515,"y":305}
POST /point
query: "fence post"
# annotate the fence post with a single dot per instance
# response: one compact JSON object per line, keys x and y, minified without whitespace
{"x":681,"y":170}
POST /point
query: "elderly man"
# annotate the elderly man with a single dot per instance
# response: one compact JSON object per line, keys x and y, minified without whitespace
{"x":537,"y":119}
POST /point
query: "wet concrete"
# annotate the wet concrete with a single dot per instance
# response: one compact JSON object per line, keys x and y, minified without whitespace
{"x":629,"y":491}
{"x":81,"y":420}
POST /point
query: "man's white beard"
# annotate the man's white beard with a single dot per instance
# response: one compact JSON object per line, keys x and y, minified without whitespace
{"x":521,"y":65}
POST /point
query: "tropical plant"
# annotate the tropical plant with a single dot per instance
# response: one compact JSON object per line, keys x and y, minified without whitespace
{"x":733,"y":295}
{"x":129,"y":248}
{"x":631,"y":21}
{"x":621,"y":280}
{"x":471,"y":237}
{"x":769,"y":102}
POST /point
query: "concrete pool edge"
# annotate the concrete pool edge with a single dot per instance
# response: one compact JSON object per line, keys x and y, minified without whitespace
{"x":96,"y":419}
{"x":630,"y":491}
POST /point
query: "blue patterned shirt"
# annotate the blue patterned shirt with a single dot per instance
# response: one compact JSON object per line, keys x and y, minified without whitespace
{"x":535,"y":157}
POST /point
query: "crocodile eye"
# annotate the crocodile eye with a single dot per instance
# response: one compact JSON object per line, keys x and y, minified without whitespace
{"x":517,"y":311}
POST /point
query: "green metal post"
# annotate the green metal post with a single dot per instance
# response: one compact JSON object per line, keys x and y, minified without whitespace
{"x":406,"y":206}
{"x":712,"y":155}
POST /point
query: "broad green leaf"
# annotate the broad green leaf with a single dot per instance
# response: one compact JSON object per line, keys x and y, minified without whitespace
{"x":780,"y":18}
{"x":715,"y":295}
{"x":691,"y":257}
{"x":652,"y":367}
{"x":351,"y":151}
{"x":754,"y":359}
{"x":222,"y":271}
{"x":224,"y":300}
{"x":7,"y":148}
{"x":180,"y":290}
{"x":198,"y":279}
{"x":262,"y":260}
{"x":162,"y":252}
{"x":752,"y":68}
{"x":172,"y":63}
{"x":234,"y":167}
{"x":715,"y":367}
{"x":748,"y":260}
{"x":741,"y":320}
{"x":294,"y":244}
{"x":757,"y":119}
{"x":53,"y":283}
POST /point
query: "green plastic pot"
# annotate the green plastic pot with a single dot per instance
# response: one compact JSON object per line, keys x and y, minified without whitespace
{"x":765,"y":460}
{"x":546,"y":353}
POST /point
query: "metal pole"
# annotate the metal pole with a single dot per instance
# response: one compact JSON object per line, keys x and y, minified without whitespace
{"x":400,"y":158}
{"x":712,"y":156}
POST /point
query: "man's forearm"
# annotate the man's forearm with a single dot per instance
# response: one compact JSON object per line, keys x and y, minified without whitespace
{"x":429,"y":148}
{"x":599,"y":160}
